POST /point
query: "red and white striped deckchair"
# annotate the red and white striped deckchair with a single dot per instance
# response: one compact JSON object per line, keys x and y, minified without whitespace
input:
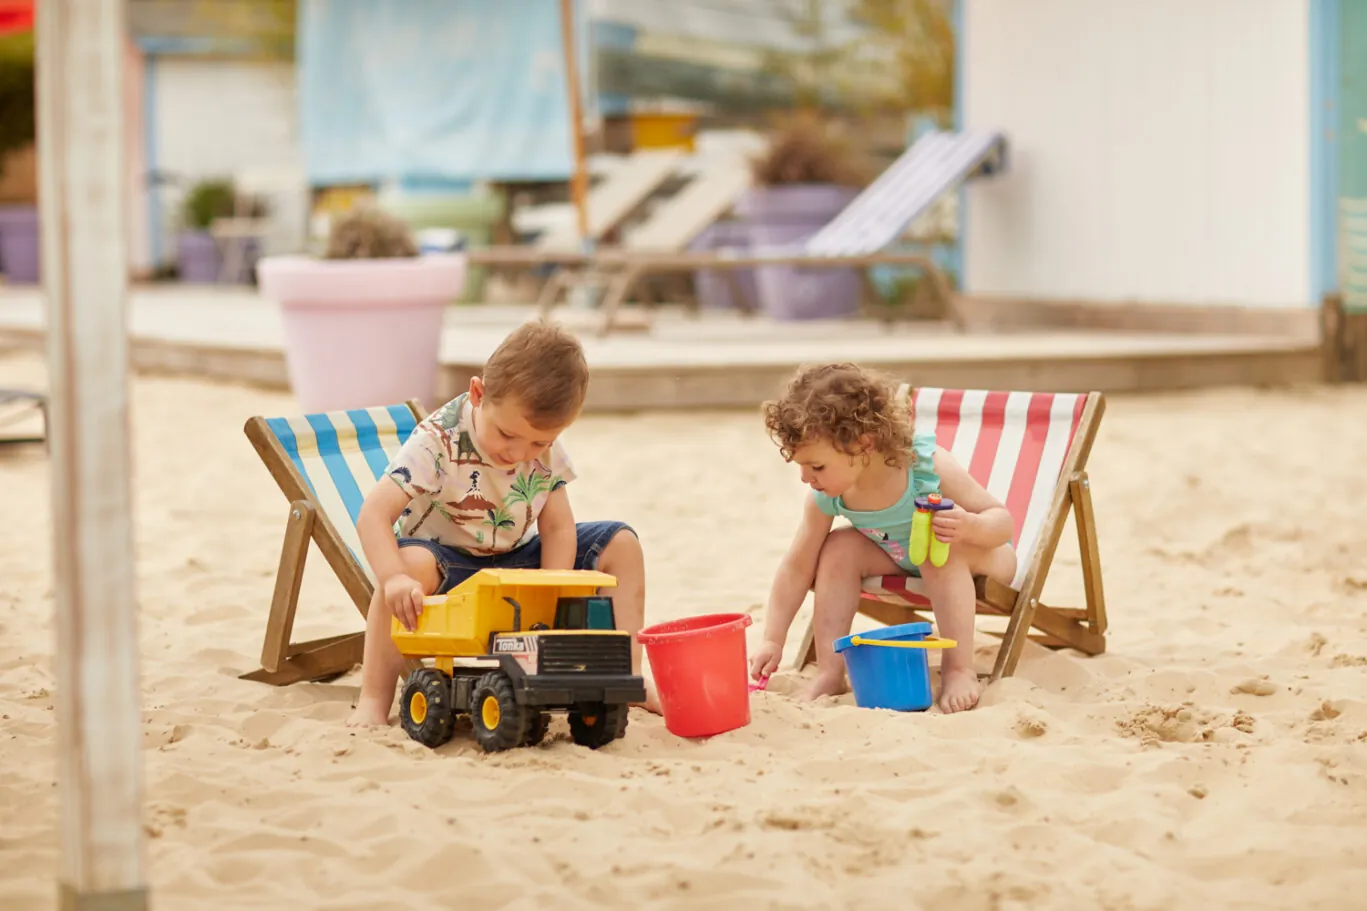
{"x":1029,"y":449}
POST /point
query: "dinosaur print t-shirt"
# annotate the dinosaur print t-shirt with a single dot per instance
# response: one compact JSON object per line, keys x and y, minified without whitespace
{"x":462,"y":500}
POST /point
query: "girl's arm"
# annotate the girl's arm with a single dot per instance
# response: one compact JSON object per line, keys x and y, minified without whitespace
{"x":795,"y":573}
{"x":987,"y":523}
{"x":559,"y":536}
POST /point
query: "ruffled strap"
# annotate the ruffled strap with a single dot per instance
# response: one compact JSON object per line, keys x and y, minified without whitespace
{"x":923,"y":475}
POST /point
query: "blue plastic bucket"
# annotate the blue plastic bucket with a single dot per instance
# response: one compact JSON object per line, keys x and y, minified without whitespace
{"x":888,"y":667}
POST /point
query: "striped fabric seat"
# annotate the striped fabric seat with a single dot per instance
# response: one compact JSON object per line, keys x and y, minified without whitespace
{"x":1012,"y":443}
{"x":1029,"y":449}
{"x":340,"y":455}
{"x":324,"y":464}
{"x":932,"y":166}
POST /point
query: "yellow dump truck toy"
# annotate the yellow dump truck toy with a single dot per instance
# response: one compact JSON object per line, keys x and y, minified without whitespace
{"x":508,"y":646}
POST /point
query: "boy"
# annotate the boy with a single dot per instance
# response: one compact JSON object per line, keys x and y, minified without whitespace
{"x":481,"y":483}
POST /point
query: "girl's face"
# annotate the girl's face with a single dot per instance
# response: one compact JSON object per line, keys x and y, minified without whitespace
{"x":827,"y":469}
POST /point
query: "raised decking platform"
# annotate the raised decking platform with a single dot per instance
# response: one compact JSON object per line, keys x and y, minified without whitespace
{"x":718,"y":359}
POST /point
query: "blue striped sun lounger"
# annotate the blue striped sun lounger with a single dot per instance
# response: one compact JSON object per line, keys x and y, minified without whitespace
{"x":324,"y":464}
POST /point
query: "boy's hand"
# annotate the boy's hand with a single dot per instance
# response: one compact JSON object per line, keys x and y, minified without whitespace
{"x":765,"y":660}
{"x":403,"y":595}
{"x":955,"y":524}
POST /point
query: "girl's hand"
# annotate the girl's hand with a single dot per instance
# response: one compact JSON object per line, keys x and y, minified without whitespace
{"x":955,"y":524}
{"x":765,"y":660}
{"x":403,"y":596}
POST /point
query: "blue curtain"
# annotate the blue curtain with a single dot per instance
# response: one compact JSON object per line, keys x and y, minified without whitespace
{"x":435,"y":90}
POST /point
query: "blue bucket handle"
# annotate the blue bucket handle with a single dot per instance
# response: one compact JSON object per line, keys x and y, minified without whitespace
{"x":928,"y":642}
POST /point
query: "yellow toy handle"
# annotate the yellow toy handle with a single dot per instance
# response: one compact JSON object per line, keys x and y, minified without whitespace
{"x":928,"y":642}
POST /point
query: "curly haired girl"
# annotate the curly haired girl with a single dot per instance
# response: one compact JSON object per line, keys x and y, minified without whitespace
{"x":852,"y":436}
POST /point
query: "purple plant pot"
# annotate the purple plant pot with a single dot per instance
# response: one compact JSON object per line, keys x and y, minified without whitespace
{"x":712,"y":287}
{"x":787,"y":216}
{"x":19,"y":254}
{"x":197,"y":257}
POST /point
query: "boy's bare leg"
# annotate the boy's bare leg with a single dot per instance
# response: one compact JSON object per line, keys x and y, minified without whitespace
{"x":381,"y":663}
{"x":954,"y":601}
{"x":846,"y":559}
{"x":624,"y":559}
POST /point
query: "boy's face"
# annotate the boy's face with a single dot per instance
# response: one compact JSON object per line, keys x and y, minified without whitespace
{"x":827,"y":469}
{"x":502,"y":431}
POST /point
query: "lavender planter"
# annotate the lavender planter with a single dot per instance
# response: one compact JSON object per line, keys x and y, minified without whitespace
{"x":19,"y":254}
{"x":712,"y":287}
{"x":785,"y":216}
{"x":197,"y":257}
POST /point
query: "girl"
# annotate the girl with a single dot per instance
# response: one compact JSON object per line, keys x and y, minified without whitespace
{"x":852,"y":436}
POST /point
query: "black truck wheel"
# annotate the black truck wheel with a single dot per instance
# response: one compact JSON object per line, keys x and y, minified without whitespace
{"x":499,"y":722}
{"x":425,"y":709}
{"x":537,"y":726}
{"x":597,"y":725}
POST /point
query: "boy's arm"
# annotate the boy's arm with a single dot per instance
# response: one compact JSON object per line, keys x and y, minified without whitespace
{"x":796,"y":572}
{"x":555,"y":525}
{"x":988,"y":523}
{"x":375,"y":527}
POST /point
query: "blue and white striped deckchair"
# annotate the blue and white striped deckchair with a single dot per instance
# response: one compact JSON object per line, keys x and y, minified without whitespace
{"x":860,"y":237}
{"x":324,"y":464}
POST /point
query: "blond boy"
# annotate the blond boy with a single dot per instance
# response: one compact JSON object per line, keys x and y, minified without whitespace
{"x":482,"y":482}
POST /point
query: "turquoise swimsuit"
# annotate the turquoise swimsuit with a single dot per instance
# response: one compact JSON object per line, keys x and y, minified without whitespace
{"x":890,"y":528}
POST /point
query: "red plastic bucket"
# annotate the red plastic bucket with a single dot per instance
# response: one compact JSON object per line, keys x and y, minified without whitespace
{"x":699,"y":666}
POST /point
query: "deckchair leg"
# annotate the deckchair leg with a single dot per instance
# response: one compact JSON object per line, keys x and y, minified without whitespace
{"x":288,"y":578}
{"x":317,"y":660}
{"x":619,"y":286}
{"x":550,"y":291}
{"x":1085,"y":519}
{"x":284,"y":662}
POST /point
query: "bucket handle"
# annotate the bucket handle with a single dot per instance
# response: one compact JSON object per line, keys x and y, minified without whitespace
{"x":928,"y":642}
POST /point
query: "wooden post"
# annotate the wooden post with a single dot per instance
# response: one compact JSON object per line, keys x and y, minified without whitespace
{"x":1343,"y":341}
{"x":80,"y":57}
{"x":579,"y":179}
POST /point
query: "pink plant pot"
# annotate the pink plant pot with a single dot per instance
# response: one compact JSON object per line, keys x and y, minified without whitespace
{"x":362,"y":332}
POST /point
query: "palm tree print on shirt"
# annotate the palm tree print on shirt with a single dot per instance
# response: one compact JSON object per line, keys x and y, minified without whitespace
{"x":498,"y":517}
{"x":526,"y":488}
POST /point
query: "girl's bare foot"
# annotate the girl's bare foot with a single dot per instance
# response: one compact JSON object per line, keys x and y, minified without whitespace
{"x":959,"y":689}
{"x":824,"y":685}
{"x":369,"y":713}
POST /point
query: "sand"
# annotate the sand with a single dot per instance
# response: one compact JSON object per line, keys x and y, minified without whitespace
{"x":1215,"y":757}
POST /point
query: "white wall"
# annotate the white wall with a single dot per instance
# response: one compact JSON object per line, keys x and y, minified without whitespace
{"x":222,"y":118}
{"x":1159,"y":150}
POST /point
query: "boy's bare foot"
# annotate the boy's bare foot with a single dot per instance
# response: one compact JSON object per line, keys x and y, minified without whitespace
{"x":369,"y":713}
{"x":959,"y":689}
{"x":652,"y":701}
{"x":823,"y":685}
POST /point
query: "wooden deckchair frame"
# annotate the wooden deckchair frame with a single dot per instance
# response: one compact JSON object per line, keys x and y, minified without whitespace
{"x":1058,"y":627}
{"x":284,"y":661}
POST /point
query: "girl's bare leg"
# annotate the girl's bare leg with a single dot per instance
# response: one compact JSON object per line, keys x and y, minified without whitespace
{"x":954,"y":601}
{"x":846,"y":559}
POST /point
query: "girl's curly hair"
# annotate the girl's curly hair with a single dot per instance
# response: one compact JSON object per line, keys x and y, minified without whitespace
{"x":840,"y":403}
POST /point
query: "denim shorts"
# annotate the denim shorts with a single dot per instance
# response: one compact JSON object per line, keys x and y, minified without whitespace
{"x":456,"y":566}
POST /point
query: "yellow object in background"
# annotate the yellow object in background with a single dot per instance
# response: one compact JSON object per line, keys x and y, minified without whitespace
{"x":663,"y":130}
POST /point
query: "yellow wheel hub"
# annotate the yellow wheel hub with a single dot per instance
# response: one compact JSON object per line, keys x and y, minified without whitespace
{"x":417,"y":708}
{"x":489,"y":713}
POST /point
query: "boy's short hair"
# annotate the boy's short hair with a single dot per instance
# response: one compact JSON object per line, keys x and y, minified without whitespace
{"x":542,"y":366}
